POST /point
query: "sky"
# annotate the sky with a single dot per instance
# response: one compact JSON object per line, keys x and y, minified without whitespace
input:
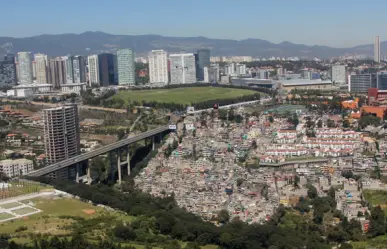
{"x":336,"y":23}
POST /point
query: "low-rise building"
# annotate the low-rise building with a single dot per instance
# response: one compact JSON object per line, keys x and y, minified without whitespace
{"x":17,"y":167}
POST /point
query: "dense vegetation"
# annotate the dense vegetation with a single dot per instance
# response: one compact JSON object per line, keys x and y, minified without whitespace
{"x":162,"y":216}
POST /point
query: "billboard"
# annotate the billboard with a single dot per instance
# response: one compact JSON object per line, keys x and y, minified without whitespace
{"x":172,"y":127}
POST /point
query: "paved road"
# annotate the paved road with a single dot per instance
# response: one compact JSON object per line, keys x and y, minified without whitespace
{"x":97,"y":152}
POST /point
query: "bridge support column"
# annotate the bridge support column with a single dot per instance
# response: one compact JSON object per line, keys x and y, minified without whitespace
{"x":77,"y":173}
{"x":153,"y":143}
{"x":88,"y":174}
{"x":119,"y":166}
{"x":111,"y":169}
{"x":128,"y":159}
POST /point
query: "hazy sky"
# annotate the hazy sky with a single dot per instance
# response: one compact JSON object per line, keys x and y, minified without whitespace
{"x":339,"y":23}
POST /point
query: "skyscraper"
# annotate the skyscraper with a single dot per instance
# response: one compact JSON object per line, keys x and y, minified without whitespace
{"x":158,"y":66}
{"x":377,"y":49}
{"x":106,"y":69}
{"x":68,"y":61}
{"x":183,"y":68}
{"x":79,"y":69}
{"x":61,"y":133}
{"x":25,"y":68}
{"x":126,"y":68}
{"x":41,"y":65}
{"x":57,"y":72}
{"x":203,"y":60}
{"x":8,"y":71}
{"x":93,"y":70}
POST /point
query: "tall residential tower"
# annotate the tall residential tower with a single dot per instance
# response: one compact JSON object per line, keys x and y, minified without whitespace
{"x":183,"y":68}
{"x":203,"y":60}
{"x":377,"y":49}
{"x":93,"y":70}
{"x":25,"y":68}
{"x":41,"y":66}
{"x":158,"y":66}
{"x":126,"y":67}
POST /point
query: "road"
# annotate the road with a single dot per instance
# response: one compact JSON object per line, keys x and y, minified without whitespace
{"x":97,"y":152}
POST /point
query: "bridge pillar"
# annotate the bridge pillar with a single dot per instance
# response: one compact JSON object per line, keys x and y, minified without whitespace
{"x":111,"y":169}
{"x":119,"y":165}
{"x":88,"y":174}
{"x":153,"y":143}
{"x":77,"y":173}
{"x":128,"y":159}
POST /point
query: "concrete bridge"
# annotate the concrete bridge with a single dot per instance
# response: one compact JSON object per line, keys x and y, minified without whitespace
{"x":75,"y":166}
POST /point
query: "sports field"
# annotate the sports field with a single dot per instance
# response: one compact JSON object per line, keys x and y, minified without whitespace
{"x":183,"y":96}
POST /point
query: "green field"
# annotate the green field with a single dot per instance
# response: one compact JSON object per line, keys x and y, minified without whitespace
{"x":24,"y":210}
{"x":376,"y":197}
{"x":183,"y":96}
{"x":10,"y":205}
{"x":4,"y":216}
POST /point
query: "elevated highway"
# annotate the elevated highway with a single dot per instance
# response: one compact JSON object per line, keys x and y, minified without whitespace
{"x":100,"y":151}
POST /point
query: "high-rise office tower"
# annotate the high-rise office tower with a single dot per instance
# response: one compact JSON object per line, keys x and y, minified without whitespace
{"x":106,"y":69}
{"x":126,"y":68}
{"x":25,"y":68}
{"x":377,"y":49}
{"x":158,"y":66}
{"x":339,"y":74}
{"x":8,"y":71}
{"x":79,"y":69}
{"x":183,"y":68}
{"x":68,"y":62}
{"x":57,"y":72}
{"x":41,"y":65}
{"x":203,"y":60}
{"x":360,"y":83}
{"x":93,"y":70}
{"x":61,"y":133}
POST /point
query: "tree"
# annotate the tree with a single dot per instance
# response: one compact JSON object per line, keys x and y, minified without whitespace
{"x":377,"y":222}
{"x":98,"y":166}
{"x":330,"y":123}
{"x":192,"y":245}
{"x":124,"y":232}
{"x":120,"y":134}
{"x":319,"y":123}
{"x":271,"y":119}
{"x":312,"y":191}
{"x":346,"y":246}
{"x":223,"y":216}
{"x":346,"y":124}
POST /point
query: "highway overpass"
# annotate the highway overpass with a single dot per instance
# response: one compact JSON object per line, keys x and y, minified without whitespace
{"x":100,"y":151}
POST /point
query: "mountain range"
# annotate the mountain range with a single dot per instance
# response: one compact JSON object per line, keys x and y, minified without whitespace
{"x":97,"y":42}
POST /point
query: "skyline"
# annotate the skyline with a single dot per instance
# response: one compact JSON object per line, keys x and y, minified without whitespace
{"x":300,"y":23}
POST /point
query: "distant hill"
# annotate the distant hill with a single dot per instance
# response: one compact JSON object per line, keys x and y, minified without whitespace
{"x":96,"y":42}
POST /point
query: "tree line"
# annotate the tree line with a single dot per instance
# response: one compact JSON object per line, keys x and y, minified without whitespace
{"x":163,"y":216}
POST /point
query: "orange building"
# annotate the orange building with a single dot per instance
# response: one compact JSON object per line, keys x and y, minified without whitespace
{"x":350,"y":104}
{"x":375,"y":110}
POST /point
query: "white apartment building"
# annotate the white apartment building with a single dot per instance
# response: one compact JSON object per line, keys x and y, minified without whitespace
{"x":206,"y":74}
{"x":25,"y":68}
{"x":158,"y":66}
{"x":183,"y":68}
{"x":76,"y":88}
{"x":17,"y":167}
{"x":93,"y":69}
{"x":339,"y":74}
{"x":41,"y":65}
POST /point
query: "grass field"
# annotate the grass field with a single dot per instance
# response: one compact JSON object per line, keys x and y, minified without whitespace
{"x":10,"y":205}
{"x":24,"y":210}
{"x":376,"y":197}
{"x":52,"y":218}
{"x":16,"y":188}
{"x":376,"y":243}
{"x":4,"y":216}
{"x":184,"y":96}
